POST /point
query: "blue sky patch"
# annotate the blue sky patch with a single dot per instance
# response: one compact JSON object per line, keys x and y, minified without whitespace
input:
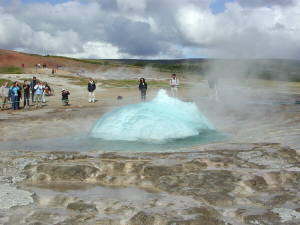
{"x":218,"y":6}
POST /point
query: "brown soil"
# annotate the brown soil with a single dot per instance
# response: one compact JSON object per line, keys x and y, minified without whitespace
{"x":12,"y":58}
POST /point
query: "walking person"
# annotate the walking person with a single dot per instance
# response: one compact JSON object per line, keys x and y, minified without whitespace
{"x":174,"y":84}
{"x":4,"y":93}
{"x":14,"y":93}
{"x":143,"y":88}
{"x":38,"y":92}
{"x":91,"y":90}
{"x":32,"y":85}
{"x":26,"y":94}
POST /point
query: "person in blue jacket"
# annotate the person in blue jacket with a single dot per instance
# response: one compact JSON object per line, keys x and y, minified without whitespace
{"x":14,"y":94}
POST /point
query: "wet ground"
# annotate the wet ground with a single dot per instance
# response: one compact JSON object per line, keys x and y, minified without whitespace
{"x":220,"y":184}
{"x":250,"y":177}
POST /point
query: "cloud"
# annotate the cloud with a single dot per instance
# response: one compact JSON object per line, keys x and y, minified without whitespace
{"x":262,"y":3}
{"x":243,"y":32}
{"x":99,"y":50}
{"x":152,"y":28}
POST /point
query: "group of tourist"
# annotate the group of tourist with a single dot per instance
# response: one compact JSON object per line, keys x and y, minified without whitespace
{"x":14,"y":93}
{"x":91,"y":87}
{"x":38,"y":90}
{"x":174,"y":84}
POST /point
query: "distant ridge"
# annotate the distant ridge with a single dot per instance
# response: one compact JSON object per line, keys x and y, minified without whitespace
{"x":278,"y":69}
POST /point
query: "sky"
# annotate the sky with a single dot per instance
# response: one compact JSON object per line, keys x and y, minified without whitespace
{"x":152,"y":29}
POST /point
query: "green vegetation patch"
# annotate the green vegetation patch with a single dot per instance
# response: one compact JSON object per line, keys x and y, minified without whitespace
{"x":83,"y":81}
{"x":5,"y":80}
{"x":10,"y":70}
{"x":132,"y":83}
{"x":89,"y":61}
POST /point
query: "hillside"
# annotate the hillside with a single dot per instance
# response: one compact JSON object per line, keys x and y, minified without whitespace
{"x":270,"y":69}
{"x":11,"y":58}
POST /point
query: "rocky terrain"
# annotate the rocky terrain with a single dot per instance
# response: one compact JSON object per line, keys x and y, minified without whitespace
{"x":252,"y":177}
{"x":216,"y":184}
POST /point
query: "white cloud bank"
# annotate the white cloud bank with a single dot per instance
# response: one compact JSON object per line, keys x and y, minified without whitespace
{"x":152,"y":28}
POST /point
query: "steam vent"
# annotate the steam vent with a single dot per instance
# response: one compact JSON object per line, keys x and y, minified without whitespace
{"x":162,"y":119}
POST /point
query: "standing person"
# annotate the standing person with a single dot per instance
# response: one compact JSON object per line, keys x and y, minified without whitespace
{"x":19,"y":94}
{"x":26,"y":93}
{"x":47,"y":89}
{"x":32,"y":85}
{"x":174,"y":83}
{"x":212,"y":84}
{"x":65,"y":96}
{"x":38,"y":92}
{"x":91,"y":90}
{"x":143,"y":88}
{"x":43,"y":95}
{"x":4,"y":93}
{"x":14,"y":93}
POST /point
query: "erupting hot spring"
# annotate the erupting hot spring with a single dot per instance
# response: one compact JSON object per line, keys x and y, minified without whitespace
{"x":162,"y":119}
{"x":162,"y":124}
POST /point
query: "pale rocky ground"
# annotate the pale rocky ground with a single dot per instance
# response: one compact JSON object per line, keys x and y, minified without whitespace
{"x":250,"y":178}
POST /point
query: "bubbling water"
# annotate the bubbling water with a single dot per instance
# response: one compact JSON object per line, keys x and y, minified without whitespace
{"x":162,"y":119}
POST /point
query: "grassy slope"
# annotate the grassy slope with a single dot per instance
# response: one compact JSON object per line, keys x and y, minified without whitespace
{"x":4,"y":80}
{"x":10,"y":70}
{"x":269,"y":69}
{"x":82,"y":81}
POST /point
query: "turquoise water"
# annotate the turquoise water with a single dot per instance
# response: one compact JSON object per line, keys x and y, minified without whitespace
{"x":163,"y":124}
{"x":86,"y":143}
{"x":160,"y":120}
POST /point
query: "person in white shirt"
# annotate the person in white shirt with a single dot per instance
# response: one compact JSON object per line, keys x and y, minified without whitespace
{"x":38,"y":94}
{"x":174,"y":84}
{"x":43,"y":95}
{"x":4,"y":93}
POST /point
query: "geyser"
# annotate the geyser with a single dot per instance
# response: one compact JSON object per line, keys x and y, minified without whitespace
{"x":162,"y":119}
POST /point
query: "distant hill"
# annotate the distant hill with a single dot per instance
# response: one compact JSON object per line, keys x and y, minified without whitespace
{"x":278,"y":69}
{"x":17,"y":59}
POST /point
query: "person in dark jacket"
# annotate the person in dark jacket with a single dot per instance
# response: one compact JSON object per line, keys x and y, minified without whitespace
{"x":26,"y":93}
{"x":143,"y":88}
{"x":91,"y":90}
{"x":65,"y":96}
{"x":32,"y":85}
{"x":19,"y":95}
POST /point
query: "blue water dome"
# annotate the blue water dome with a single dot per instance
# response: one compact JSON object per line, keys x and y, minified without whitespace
{"x":162,"y":119}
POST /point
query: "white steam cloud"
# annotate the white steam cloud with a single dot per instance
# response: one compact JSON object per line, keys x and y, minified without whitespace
{"x":152,"y":28}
